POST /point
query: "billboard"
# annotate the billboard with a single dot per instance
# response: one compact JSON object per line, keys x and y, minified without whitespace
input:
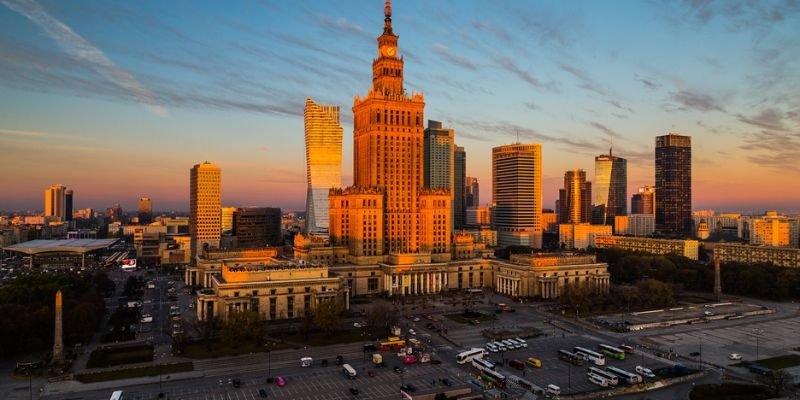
{"x":128,"y":264}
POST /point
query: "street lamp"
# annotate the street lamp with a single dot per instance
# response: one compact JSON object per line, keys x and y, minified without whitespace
{"x":569,"y":376}
{"x":757,"y":333}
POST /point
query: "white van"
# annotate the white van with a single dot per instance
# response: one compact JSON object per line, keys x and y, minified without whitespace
{"x":598,"y":380}
{"x":348,"y":370}
{"x":306,"y":362}
{"x":645,"y":371}
{"x":553,"y":390}
{"x":491,"y":347}
{"x":522,"y":342}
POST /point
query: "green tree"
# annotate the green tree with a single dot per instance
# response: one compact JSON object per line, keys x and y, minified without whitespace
{"x":655,"y":293}
{"x":328,"y":316}
{"x":577,"y":295}
{"x":243,"y":327}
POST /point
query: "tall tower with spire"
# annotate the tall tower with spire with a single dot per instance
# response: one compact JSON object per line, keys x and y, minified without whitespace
{"x":388,"y":160}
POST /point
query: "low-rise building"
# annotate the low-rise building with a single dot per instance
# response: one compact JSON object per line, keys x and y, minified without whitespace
{"x":275,"y":289}
{"x":780,"y":256}
{"x":546,"y":275}
{"x":581,"y":236}
{"x":685,"y":248}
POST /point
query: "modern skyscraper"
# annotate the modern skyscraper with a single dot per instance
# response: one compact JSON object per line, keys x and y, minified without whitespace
{"x":644,"y":201}
{"x":439,"y":146}
{"x":323,"y":162}
{"x":114,"y":214}
{"x":68,"y":204}
{"x":55,"y":202}
{"x":145,"y":210}
{"x":459,"y":188}
{"x":575,"y":200}
{"x":674,"y":184}
{"x":388,"y":211}
{"x":257,"y":227}
{"x":473,"y":198}
{"x":204,"y":206}
{"x":517,"y":194}
{"x":610,"y":188}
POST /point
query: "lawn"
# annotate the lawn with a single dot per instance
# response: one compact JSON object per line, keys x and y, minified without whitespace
{"x":135,"y":372}
{"x":110,"y":357}
{"x":464,"y":318}
{"x":729,"y":391}
{"x":198,"y":350}
{"x":780,"y":362}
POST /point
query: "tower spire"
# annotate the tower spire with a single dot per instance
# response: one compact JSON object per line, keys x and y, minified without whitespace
{"x":387,"y":22}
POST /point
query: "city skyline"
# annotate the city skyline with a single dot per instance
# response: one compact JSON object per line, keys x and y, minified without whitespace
{"x":487,"y":80}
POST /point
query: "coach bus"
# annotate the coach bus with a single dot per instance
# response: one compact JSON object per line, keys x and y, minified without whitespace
{"x":467,"y":356}
{"x":629,"y":377}
{"x":569,"y":357}
{"x":482,"y":364}
{"x":591,"y":356}
{"x":613,"y":352}
{"x":613,"y":380}
{"x":493,"y":376}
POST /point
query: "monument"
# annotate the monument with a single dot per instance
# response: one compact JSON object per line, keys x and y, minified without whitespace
{"x":58,"y":340}
{"x":717,"y":280}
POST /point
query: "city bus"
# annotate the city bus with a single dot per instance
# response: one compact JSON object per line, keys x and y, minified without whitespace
{"x":493,"y":376}
{"x":467,"y":356}
{"x":626,"y":348}
{"x":482,"y":364}
{"x":597,"y":380}
{"x":612,"y":379}
{"x":117,"y":395}
{"x":393,"y":344}
{"x":591,"y":356}
{"x":628,"y":377}
{"x":613,"y":352}
{"x":569,"y":357}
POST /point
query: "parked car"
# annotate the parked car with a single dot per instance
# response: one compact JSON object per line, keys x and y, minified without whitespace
{"x":735,"y":356}
{"x":146,"y":319}
{"x":262,"y":393}
{"x":695,"y":354}
{"x":354,"y":391}
{"x":280,"y":381}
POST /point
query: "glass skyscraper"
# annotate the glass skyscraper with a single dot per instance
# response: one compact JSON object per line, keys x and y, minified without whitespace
{"x":323,"y":162}
{"x":575,"y":200}
{"x":610,"y":188}
{"x":673,"y":183}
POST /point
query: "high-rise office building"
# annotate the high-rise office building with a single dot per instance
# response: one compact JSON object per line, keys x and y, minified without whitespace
{"x":227,"y":219}
{"x":517,"y":194}
{"x":55,"y":202}
{"x":204,"y":207}
{"x":69,"y":197}
{"x":389,"y":211}
{"x":459,"y":188}
{"x":610,"y":188}
{"x":114,"y":214}
{"x":673,"y":184}
{"x":644,"y":201}
{"x":473,"y":197}
{"x":323,"y":161}
{"x":257,"y":227}
{"x":439,"y":145}
{"x":575,"y":200}
{"x":145,"y":211}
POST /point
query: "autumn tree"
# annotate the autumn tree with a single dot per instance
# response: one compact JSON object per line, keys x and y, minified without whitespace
{"x":328,"y":316}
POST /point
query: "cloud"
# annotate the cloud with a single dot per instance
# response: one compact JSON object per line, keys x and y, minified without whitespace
{"x":770,"y":118}
{"x":532,"y":106}
{"x":80,"y":49}
{"x":587,"y":82}
{"x":495,"y":30}
{"x":443,"y":51}
{"x":697,"y":101}
{"x":509,"y":65}
{"x":342,"y":24}
{"x":773,"y":150}
{"x":650,"y":84}
{"x":619,"y":105}
{"x":602,"y":128}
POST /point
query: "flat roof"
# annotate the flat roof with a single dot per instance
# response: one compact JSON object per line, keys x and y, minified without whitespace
{"x":69,"y":246}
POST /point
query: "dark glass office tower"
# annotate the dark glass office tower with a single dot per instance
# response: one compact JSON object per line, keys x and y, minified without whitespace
{"x":673,"y":184}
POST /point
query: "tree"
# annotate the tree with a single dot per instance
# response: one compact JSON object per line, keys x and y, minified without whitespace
{"x":328,"y":316}
{"x":378,"y":315}
{"x":206,"y":330}
{"x":578,"y":295}
{"x":655,"y":293}
{"x":777,"y":380}
{"x":242,"y":327}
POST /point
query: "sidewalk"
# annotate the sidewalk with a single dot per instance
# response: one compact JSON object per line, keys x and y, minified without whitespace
{"x":72,"y":386}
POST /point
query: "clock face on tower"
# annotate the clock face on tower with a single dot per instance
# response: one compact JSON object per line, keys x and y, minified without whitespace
{"x":388,"y":51}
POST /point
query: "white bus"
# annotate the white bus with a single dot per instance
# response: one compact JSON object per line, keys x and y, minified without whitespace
{"x":522,"y":342}
{"x":349,"y":371}
{"x":492,"y":347}
{"x":612,"y":379}
{"x":597,"y":380}
{"x":629,"y":377}
{"x":467,"y":356}
{"x":117,"y":395}
{"x":594,"y":357}
{"x":306,"y":362}
{"x":482,"y":364}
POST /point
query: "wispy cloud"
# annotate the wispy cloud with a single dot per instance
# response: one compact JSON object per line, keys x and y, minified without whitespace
{"x":342,"y":24}
{"x":649,"y":83}
{"x":509,"y":65}
{"x":769,"y":119}
{"x":495,"y":30}
{"x":443,"y":51}
{"x":773,"y":150}
{"x":587,"y":82}
{"x":697,"y":101}
{"x":80,"y":49}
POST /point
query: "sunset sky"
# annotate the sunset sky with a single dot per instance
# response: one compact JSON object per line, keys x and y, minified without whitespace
{"x":117,"y":100}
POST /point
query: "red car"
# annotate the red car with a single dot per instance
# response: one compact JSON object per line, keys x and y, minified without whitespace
{"x":409,"y":359}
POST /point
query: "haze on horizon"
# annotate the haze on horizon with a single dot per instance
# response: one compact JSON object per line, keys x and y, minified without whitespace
{"x":118,"y":101}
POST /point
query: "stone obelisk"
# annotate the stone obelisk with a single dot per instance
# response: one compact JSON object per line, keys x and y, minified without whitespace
{"x":717,"y":280}
{"x":58,"y":340}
